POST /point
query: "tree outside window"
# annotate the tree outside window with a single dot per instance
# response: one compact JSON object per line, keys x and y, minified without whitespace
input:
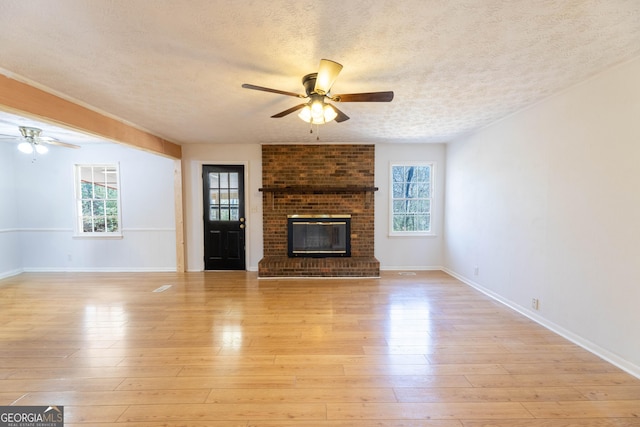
{"x":98,"y":199}
{"x":411,"y":201}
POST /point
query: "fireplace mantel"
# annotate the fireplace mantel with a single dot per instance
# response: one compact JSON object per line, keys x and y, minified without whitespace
{"x":316,"y":189}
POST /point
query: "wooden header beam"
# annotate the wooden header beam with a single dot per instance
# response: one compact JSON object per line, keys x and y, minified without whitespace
{"x":23,"y":99}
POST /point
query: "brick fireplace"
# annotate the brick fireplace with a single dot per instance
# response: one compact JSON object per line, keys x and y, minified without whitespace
{"x":318,"y":180}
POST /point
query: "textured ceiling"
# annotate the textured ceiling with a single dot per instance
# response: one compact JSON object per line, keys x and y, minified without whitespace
{"x":175,"y":67}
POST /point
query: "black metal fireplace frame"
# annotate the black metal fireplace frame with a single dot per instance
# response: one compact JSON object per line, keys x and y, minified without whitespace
{"x":320,"y":219}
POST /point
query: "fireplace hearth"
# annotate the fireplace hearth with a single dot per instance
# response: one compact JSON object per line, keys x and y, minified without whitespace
{"x":319,"y":236}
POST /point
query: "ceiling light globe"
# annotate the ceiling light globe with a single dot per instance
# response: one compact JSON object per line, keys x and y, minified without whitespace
{"x":305,"y":114}
{"x":329,"y":113}
{"x":25,"y":147}
{"x":41,"y":149}
{"x":317,"y":112}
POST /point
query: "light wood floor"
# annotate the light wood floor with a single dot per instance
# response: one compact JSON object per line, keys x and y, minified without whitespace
{"x":227,"y":349}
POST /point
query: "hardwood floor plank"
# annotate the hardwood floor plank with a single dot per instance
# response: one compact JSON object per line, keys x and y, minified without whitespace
{"x":356,"y":423}
{"x":220,"y":411}
{"x":485,"y":394}
{"x":302,"y":395}
{"x":261,"y":370}
{"x":98,"y":372}
{"x":59,"y":362}
{"x":188,"y":383}
{"x":389,"y":381}
{"x":610,"y":392}
{"x":92,"y":415}
{"x":422,"y":411}
{"x":115,"y":398}
{"x":553,"y":380}
{"x":61,"y":384}
{"x":549,"y":422}
{"x":585,"y":409}
{"x":209,"y":423}
{"x":409,"y":369}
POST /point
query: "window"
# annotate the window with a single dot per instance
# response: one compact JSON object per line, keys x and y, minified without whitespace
{"x":411,"y":199}
{"x":98,"y":200}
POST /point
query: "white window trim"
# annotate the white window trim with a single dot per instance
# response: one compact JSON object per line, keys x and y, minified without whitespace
{"x":78,"y":233}
{"x":429,"y":233}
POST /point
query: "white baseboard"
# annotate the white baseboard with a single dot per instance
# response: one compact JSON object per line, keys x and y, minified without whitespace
{"x":601,"y":352}
{"x":411,"y":268}
{"x":101,"y":270}
{"x":10,"y":273}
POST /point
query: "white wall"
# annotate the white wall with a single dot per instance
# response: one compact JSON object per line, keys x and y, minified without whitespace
{"x":10,"y":259}
{"x":43,"y":194}
{"x":419,"y":252}
{"x":193,"y":157}
{"x":392,"y":252}
{"x":546,"y":204}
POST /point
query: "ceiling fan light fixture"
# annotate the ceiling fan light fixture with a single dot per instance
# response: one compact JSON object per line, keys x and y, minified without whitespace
{"x":25,"y":147}
{"x":317,"y":113}
{"x":317,"y":87}
{"x":41,"y":149}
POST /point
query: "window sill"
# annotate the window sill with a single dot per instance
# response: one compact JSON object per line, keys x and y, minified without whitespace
{"x":108,"y":236}
{"x":411,"y":234}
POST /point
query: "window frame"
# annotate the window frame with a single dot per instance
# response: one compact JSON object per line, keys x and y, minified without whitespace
{"x":79,"y":231}
{"x":431,"y":198}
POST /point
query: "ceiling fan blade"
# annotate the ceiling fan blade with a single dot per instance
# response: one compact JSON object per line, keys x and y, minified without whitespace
{"x":341,"y":117}
{"x":51,"y":141}
{"x":364,"y":97}
{"x":327,"y":74}
{"x":289,"y":111}
{"x":266,"y":89}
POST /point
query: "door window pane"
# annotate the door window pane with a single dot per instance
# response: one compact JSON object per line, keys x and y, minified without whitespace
{"x":214,"y":197}
{"x":233,"y":197}
{"x":214,"y":213}
{"x":233,"y":180}
{"x":214,"y":180}
{"x":224,"y":197}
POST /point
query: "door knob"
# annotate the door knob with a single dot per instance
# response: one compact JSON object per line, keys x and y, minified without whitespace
{"x":241,"y":225}
{"x":241,"y":219}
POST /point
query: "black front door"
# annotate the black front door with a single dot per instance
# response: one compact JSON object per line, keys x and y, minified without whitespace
{"x":224,"y":220}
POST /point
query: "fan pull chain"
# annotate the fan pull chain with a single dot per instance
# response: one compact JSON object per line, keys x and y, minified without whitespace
{"x":317,"y":131}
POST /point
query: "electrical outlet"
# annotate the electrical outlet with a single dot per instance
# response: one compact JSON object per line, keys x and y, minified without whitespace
{"x":535,"y":303}
{"x":476,"y":270}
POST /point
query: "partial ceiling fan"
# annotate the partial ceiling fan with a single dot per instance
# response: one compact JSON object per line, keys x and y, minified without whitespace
{"x":317,"y":87}
{"x":30,"y":141}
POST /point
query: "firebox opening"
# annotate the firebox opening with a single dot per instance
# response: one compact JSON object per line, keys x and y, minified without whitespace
{"x":319,"y":235}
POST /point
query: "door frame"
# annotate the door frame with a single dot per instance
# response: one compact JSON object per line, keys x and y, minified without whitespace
{"x":197,"y":173}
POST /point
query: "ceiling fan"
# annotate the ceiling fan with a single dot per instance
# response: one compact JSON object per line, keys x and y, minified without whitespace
{"x":31,"y":141}
{"x":317,"y":89}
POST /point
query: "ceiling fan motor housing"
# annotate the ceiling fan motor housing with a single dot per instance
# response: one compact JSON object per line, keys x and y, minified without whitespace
{"x":309,"y":83}
{"x":29,"y":132}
